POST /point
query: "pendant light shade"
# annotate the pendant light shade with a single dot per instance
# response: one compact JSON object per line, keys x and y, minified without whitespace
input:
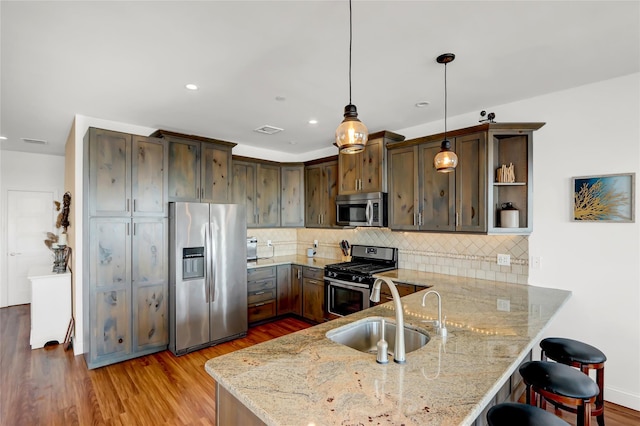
{"x":351,"y":134}
{"x":446,"y":160}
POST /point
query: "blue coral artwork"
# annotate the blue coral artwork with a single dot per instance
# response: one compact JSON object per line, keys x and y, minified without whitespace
{"x":604,"y":198}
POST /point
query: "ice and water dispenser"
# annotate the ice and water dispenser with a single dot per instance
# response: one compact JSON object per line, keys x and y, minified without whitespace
{"x":192,"y":263}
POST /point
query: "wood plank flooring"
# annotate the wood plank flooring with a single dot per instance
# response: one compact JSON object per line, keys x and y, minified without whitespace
{"x":52,"y":387}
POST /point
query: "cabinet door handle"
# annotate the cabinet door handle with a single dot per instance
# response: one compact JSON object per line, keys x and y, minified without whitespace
{"x":134,"y":228}
{"x":18,"y":254}
{"x":128,"y":233}
{"x":259,"y":292}
{"x":134,"y":204}
{"x":258,"y":304}
{"x":299,"y":273}
{"x":127,"y":205}
{"x":473,"y":212}
{"x":457,"y":219}
{"x":197,"y":192}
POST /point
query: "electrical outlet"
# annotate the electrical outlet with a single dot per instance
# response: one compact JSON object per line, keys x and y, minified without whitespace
{"x":504,"y":259}
{"x":269,"y":244}
{"x":504,"y":305}
{"x":315,"y":243}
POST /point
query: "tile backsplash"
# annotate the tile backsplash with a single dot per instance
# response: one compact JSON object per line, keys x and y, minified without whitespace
{"x":450,"y":254}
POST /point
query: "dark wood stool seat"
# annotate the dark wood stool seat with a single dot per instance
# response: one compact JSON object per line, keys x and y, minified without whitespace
{"x":511,"y":413}
{"x":582,"y":356}
{"x":559,"y":383}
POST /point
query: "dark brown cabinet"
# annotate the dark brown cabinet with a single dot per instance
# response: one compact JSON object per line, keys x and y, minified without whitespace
{"x":257,"y":186}
{"x":292,"y":195}
{"x":125,"y":276}
{"x":321,"y":189}
{"x":313,"y":300}
{"x":199,"y":168}
{"x":289,"y":282}
{"x":422,"y":199}
{"x":261,"y":293}
{"x":366,"y":171}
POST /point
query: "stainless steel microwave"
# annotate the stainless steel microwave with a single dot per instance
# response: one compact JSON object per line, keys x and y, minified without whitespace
{"x":369,"y":209}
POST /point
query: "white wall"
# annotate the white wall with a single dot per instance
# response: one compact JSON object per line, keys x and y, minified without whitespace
{"x":25,"y":171}
{"x":593,"y":129}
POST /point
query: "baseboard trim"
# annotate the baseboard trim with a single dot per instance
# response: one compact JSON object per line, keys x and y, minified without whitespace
{"x":621,"y":397}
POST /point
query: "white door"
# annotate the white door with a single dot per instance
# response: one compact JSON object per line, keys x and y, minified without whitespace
{"x":30,"y":215}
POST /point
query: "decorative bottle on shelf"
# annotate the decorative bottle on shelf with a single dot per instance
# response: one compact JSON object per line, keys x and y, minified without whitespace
{"x":509,"y":216}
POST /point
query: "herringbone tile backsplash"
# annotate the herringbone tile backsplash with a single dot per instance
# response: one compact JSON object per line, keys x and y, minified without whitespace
{"x":450,"y":254}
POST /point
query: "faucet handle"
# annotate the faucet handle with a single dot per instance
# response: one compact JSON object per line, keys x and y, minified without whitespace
{"x":442,"y":328}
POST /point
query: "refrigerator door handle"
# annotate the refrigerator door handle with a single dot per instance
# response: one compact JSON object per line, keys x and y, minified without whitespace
{"x":212,"y":267}
{"x":207,"y":260}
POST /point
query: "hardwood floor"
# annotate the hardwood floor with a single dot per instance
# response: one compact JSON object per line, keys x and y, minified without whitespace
{"x":52,"y":387}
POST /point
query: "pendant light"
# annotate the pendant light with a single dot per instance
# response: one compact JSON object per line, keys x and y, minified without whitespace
{"x":351,"y":134}
{"x":446,"y":160}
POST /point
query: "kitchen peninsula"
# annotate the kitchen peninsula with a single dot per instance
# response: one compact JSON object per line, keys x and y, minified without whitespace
{"x":306,"y":379}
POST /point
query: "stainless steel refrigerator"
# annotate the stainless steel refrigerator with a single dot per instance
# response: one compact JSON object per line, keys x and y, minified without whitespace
{"x":207,"y":275}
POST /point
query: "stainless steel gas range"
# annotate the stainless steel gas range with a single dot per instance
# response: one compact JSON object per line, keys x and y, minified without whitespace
{"x":348,"y":284}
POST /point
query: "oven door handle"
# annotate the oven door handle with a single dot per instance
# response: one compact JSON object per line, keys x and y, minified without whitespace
{"x":352,"y":286}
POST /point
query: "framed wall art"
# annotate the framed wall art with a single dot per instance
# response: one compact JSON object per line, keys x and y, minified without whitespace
{"x":604,"y":198}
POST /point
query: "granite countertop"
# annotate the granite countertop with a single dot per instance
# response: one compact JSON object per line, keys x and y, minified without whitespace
{"x":304,"y":378}
{"x":316,"y":262}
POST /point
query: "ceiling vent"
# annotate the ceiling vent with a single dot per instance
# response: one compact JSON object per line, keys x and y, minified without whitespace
{"x":268,"y":130}
{"x":34,"y":141}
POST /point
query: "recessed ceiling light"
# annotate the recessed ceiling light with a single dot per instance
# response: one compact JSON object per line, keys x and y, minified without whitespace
{"x":280,"y":98}
{"x":191,"y":86}
{"x":313,"y":121}
{"x":293,"y":143}
{"x":422,"y":104}
{"x":3,"y":138}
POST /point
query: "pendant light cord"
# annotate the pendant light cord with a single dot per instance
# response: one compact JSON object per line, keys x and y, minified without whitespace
{"x":350,"y":43}
{"x":445,"y":101}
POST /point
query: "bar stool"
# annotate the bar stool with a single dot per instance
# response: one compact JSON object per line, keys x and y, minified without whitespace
{"x":559,"y":383}
{"x":582,"y":356}
{"x":511,"y":413}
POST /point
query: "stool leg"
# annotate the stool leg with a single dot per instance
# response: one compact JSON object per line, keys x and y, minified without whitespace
{"x":543,"y":401}
{"x":584,"y":414}
{"x":600,"y":397}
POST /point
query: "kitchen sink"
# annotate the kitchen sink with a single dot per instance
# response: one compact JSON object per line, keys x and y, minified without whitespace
{"x":363,"y":335}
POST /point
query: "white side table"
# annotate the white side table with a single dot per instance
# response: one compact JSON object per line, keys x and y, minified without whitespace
{"x":50,"y":306}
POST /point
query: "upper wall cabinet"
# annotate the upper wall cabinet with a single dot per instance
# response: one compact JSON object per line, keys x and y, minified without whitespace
{"x":468,"y":199}
{"x":128,"y":174}
{"x":321,"y":189}
{"x":366,"y":171}
{"x":257,"y":185}
{"x":292,"y":195}
{"x":199,"y":168}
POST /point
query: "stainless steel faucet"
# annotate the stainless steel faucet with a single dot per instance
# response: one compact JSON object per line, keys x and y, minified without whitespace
{"x":399,"y":354}
{"x":440,"y":326}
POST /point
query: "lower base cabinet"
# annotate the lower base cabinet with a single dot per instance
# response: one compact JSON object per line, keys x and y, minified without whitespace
{"x":289,"y":283}
{"x":261,"y":294}
{"x":273,"y":291}
{"x":313,"y":303}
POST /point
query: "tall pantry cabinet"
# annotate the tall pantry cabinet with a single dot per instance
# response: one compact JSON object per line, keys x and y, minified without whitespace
{"x":125,"y":278}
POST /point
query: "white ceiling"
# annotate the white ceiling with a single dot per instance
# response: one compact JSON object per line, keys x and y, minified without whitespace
{"x":128,"y":61}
